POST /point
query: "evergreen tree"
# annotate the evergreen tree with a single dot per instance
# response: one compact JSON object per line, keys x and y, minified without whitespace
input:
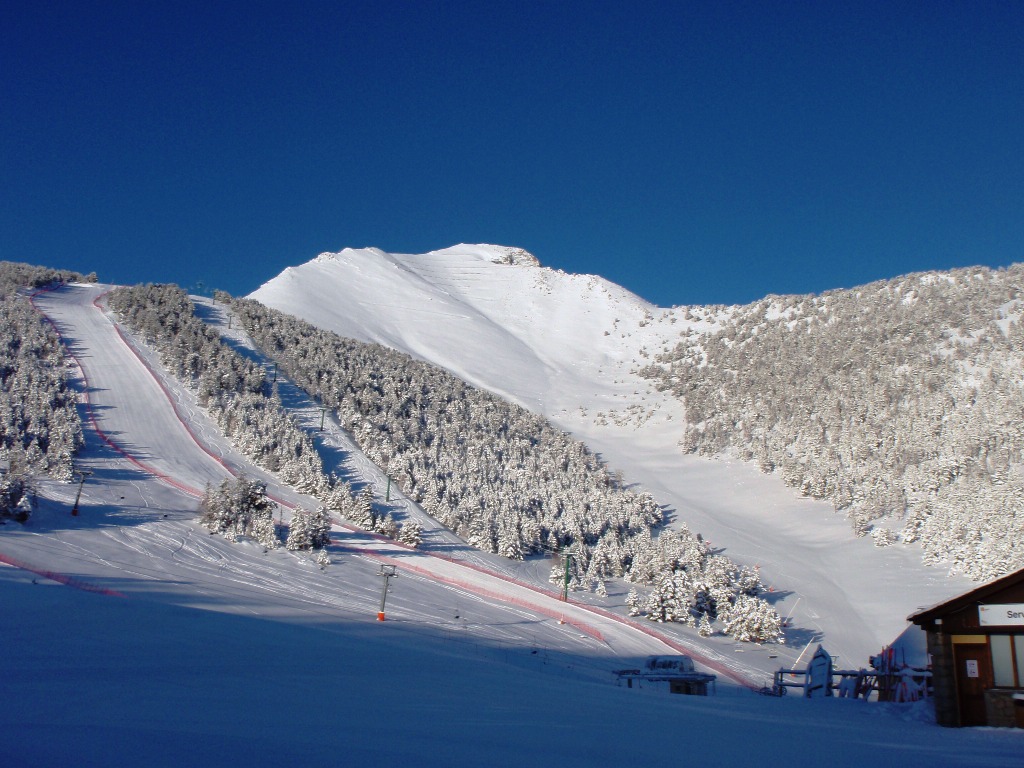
{"x":670,"y":598}
{"x":238,"y":508}
{"x":300,"y":534}
{"x":320,"y":528}
{"x":751,"y":619}
{"x":388,"y":527}
{"x":363,"y":513}
{"x":634,"y":602}
{"x":704,"y":628}
{"x":14,"y":501}
{"x":263,"y":529}
{"x":411,"y":533}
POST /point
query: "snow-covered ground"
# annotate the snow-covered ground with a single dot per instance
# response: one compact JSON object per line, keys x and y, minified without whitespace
{"x":568,"y":346}
{"x":133,"y":637}
{"x":146,"y":426}
{"x":91,"y":680}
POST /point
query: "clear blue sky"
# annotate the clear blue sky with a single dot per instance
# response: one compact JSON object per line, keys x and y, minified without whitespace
{"x":692,"y":152}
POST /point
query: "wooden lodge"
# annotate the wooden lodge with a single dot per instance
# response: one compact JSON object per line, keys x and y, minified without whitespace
{"x":976,"y":647}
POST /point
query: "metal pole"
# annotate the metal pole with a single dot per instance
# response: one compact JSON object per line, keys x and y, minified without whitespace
{"x":82,"y":474}
{"x":387,"y":496}
{"x":565,"y":588}
{"x":387,"y":571}
{"x":323,"y":412}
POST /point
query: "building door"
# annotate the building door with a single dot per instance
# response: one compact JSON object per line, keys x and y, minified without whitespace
{"x":973,"y":677}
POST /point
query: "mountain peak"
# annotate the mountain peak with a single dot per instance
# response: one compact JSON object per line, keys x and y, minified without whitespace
{"x":328,"y":256}
{"x":496,"y":254}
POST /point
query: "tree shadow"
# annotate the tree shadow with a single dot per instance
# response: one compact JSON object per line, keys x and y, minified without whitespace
{"x":774,"y":596}
{"x":801,"y":636}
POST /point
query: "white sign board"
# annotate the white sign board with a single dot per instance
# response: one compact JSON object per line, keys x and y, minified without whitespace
{"x":1008,"y":615}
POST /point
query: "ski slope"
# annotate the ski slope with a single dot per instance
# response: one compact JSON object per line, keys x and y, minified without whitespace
{"x":146,"y":421}
{"x":134,"y":637}
{"x":567,"y":346}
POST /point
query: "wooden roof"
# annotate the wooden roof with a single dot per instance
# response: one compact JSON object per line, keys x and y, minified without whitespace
{"x":978,"y":595}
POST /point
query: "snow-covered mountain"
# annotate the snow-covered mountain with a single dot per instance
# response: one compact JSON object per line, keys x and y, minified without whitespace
{"x":491,"y":315}
{"x":571,"y":347}
{"x":135,"y":637}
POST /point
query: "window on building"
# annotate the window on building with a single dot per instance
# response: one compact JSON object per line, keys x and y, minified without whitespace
{"x":1007,"y":660}
{"x":1019,"y":642}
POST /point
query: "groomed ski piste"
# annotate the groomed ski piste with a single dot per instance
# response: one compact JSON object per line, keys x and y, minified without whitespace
{"x":134,"y":637}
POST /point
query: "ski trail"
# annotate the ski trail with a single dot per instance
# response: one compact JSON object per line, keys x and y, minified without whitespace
{"x":193,"y":457}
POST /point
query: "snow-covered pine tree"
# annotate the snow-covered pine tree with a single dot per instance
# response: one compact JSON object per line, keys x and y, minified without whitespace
{"x":263,"y":529}
{"x":751,"y":619}
{"x":634,"y":602}
{"x":670,"y":598}
{"x":387,"y":526}
{"x":411,"y":533}
{"x":235,"y":507}
{"x":300,"y":535}
{"x":13,"y":497}
{"x":510,"y":544}
{"x":704,"y":628}
{"x":363,"y":513}
{"x":337,"y":496}
{"x":320,"y":528}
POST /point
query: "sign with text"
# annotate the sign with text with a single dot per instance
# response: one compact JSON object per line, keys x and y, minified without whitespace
{"x":1009,"y":615}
